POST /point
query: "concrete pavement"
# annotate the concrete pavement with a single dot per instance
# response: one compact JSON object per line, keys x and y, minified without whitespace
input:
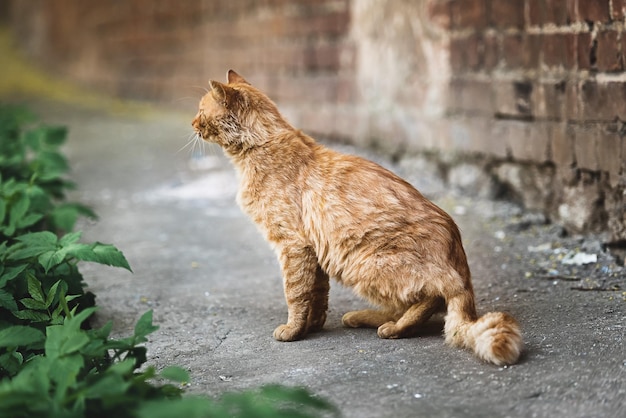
{"x":216,"y":290}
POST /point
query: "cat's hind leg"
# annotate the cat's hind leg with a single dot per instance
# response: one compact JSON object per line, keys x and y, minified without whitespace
{"x":368,"y":318}
{"x":414,"y":316}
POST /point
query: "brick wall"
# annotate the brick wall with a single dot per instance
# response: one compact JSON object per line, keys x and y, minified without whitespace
{"x":533,"y":90}
{"x":164,"y":50}
{"x":545,"y":81}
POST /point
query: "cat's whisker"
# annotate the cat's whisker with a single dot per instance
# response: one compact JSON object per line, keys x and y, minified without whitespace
{"x":191,"y":140}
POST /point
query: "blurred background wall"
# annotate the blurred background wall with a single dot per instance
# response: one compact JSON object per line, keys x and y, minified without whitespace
{"x":532,"y":92}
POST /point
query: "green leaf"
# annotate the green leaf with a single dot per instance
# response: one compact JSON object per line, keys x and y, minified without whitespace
{"x":51,"y":259}
{"x":111,"y":256}
{"x":52,"y":293}
{"x":33,"y":304}
{"x":65,"y":215}
{"x":175,"y":374}
{"x":189,"y":407}
{"x":43,"y":238}
{"x":54,"y":135}
{"x":35,"y":316}
{"x":144,"y":327}
{"x":33,"y":245}
{"x":7,"y":300}
{"x":99,"y":253}
{"x":3,"y":209}
{"x":19,"y":335}
{"x":29,"y":220}
{"x":70,"y":238}
{"x":34,"y":288}
{"x":11,"y":362}
{"x":11,"y":273}
{"x":62,"y":340}
{"x":108,"y":386}
{"x":18,"y":209}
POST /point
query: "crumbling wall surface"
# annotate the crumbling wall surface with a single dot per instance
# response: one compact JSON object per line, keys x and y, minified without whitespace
{"x":532,"y":92}
{"x":544,"y":80}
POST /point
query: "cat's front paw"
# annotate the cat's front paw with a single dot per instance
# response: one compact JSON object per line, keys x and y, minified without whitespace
{"x":388,"y":330}
{"x":288,"y":333}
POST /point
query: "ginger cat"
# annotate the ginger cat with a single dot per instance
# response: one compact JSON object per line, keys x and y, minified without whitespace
{"x":328,"y":214}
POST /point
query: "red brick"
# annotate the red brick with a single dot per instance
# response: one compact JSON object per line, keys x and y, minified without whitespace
{"x":470,"y":97}
{"x":483,"y":138}
{"x":602,"y":101}
{"x":507,"y":14}
{"x":527,"y":141}
{"x":585,"y":144}
{"x":549,"y":100}
{"x":584,"y":46}
{"x":490,"y":52}
{"x":521,"y":51}
{"x":439,"y":13}
{"x":467,"y":53}
{"x":573,"y":105}
{"x":617,"y":99}
{"x":468,"y":14}
{"x":562,"y":147}
{"x":559,"y":50}
{"x":594,"y":10}
{"x":593,"y":99}
{"x":618,"y":9}
{"x":542,"y":12}
{"x":608,"y":151}
{"x":513,"y":99}
{"x":609,"y":52}
{"x":322,"y":57}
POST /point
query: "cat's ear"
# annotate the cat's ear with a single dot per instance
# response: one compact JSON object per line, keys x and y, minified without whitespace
{"x":221,"y":92}
{"x":233,"y":77}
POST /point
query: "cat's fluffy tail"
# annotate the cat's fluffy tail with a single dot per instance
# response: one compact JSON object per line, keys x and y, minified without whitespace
{"x":494,"y":337}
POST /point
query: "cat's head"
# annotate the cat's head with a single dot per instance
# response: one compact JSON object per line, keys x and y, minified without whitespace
{"x":236,"y":115}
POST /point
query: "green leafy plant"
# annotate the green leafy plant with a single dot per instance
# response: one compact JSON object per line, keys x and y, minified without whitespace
{"x":52,"y":364}
{"x":32,"y":177}
{"x":83,"y":373}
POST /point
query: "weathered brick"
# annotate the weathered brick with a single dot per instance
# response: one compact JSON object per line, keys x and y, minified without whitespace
{"x":608,"y":151}
{"x":527,"y":141}
{"x":467,"y":53}
{"x":602,"y":101}
{"x":476,"y":135}
{"x":507,"y":14}
{"x":468,"y":14}
{"x":543,"y":12}
{"x":491,"y":54}
{"x":617,"y":100}
{"x":439,"y":13}
{"x":584,"y":45}
{"x":594,"y":10}
{"x":559,"y":50}
{"x":513,"y":99}
{"x":470,"y":96}
{"x":562,"y":147}
{"x":573,"y":105}
{"x":521,"y":51}
{"x":618,"y":9}
{"x":609,"y":52}
{"x":585,"y":145}
{"x":549,"y":100}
